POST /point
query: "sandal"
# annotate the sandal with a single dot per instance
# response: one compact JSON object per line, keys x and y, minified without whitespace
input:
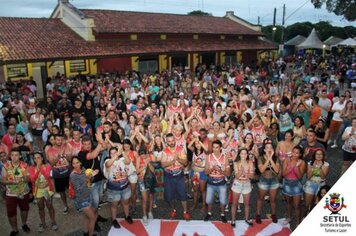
{"x":249,"y":222}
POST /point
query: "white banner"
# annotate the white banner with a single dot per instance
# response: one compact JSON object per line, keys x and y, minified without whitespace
{"x":335,"y":214}
{"x":195,"y":228}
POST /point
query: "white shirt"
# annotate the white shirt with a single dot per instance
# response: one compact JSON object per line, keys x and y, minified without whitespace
{"x":49,"y":86}
{"x":337,"y":106}
{"x":324,"y":104}
{"x":186,"y":102}
{"x":232,"y":80}
{"x":309,"y":102}
{"x":314,"y":79}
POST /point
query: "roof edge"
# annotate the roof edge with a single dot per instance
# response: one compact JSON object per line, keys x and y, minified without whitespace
{"x":230,"y":15}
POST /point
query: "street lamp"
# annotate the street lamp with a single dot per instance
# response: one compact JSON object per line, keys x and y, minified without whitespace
{"x":324,"y":48}
{"x":273,"y":32}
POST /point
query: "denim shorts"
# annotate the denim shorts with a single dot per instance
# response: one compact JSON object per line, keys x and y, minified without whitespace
{"x":312,"y":188}
{"x":220,"y":190}
{"x":268,"y":184}
{"x":118,"y":195}
{"x":174,"y":187}
{"x":202,"y":175}
{"x":141,"y":186}
{"x":82,"y":204}
{"x":133,"y":178}
{"x":96,"y":192}
{"x":241,"y":187}
{"x":292,"y":187}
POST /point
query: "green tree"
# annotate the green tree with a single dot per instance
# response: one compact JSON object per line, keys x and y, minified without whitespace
{"x":199,"y":13}
{"x":346,"y":8}
{"x":268,"y":32}
{"x":324,"y":29}
{"x":350,"y":31}
{"x":300,"y":28}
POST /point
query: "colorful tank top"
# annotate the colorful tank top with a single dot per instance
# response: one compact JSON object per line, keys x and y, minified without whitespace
{"x":175,"y":169}
{"x":117,"y":175}
{"x":143,"y":163}
{"x":216,"y":177}
{"x":75,"y":147}
{"x":181,"y":142}
{"x":199,"y":161}
{"x":174,"y":110}
{"x":231,"y":150}
{"x":245,"y":171}
{"x":284,"y":155}
{"x":259,"y":135}
{"x":62,"y":167}
{"x":17,"y":173}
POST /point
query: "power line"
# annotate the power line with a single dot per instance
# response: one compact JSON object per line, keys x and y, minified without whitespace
{"x":296,"y":10}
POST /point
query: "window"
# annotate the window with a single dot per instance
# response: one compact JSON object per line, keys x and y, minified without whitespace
{"x":17,"y":70}
{"x":77,"y":66}
{"x":148,"y":66}
{"x":241,"y":37}
{"x":133,"y":36}
{"x":195,"y":36}
{"x":222,"y":37}
{"x":163,"y":37}
{"x":230,"y":58}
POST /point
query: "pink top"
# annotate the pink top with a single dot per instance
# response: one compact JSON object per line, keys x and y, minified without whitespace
{"x":284,"y":155}
{"x":291,"y":172}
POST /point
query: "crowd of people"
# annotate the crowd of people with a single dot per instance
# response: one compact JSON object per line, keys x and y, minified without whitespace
{"x":212,"y":133}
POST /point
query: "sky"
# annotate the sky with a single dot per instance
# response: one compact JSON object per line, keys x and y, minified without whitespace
{"x":246,"y":9}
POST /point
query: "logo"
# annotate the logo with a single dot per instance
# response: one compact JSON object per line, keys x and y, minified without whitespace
{"x":335,"y":204}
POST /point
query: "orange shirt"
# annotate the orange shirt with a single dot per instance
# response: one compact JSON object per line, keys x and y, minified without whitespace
{"x":314,"y":115}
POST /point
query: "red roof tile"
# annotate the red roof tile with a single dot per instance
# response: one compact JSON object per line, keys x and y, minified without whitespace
{"x":31,"y":38}
{"x":172,"y":46}
{"x":28,"y":39}
{"x":108,"y":21}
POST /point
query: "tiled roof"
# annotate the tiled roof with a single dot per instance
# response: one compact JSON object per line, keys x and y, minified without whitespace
{"x":39,"y":38}
{"x":28,"y":39}
{"x":108,"y":21}
{"x":188,"y":45}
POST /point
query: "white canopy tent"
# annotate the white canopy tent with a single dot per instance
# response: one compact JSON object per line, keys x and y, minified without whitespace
{"x":311,"y":42}
{"x":349,"y":42}
{"x":295,"y":41}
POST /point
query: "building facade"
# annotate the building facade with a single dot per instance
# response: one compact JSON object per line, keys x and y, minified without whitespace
{"x":78,"y":41}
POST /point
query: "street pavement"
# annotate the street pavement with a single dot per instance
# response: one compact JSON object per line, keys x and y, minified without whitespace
{"x":72,"y":224}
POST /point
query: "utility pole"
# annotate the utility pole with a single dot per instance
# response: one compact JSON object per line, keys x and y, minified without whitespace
{"x":258,"y":20}
{"x":284,"y":14}
{"x":274,"y":23}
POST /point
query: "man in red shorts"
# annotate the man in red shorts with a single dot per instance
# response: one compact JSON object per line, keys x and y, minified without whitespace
{"x":15,"y":176}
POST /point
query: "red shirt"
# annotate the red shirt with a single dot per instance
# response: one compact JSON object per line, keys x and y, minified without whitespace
{"x":3,"y":148}
{"x":331,"y":97}
{"x":8,"y":141}
{"x":238,"y":79}
{"x":75,"y":147}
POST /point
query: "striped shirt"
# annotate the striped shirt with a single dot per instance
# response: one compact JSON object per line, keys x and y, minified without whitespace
{"x":78,"y":183}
